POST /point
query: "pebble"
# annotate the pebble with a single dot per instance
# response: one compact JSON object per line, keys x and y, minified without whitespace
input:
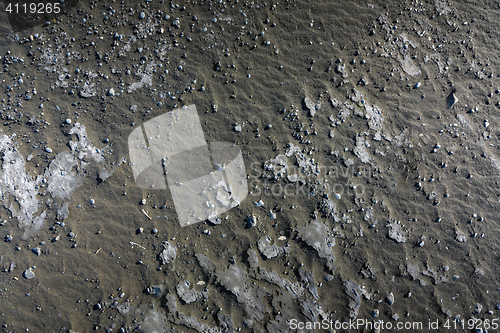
{"x":478,"y":309}
{"x":142,"y":15}
{"x":417,"y":85}
{"x":375,"y":313}
{"x":68,"y":121}
{"x":154,"y":231}
{"x":37,"y":251}
{"x":48,"y":150}
{"x":143,"y":202}
{"x":29,"y":274}
{"x":390,"y":298}
{"x":92,"y":201}
{"x":451,"y":100}
{"x":259,"y":203}
{"x":251,"y":221}
{"x":111,"y":92}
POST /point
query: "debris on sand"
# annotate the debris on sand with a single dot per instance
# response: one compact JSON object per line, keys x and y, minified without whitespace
{"x":168,"y":254}
{"x":396,"y":232}
{"x":316,"y":235}
{"x":360,"y":150}
{"x":189,"y":295}
{"x":355,"y":291}
{"x":235,"y":280}
{"x":311,"y":107}
{"x":269,"y":251}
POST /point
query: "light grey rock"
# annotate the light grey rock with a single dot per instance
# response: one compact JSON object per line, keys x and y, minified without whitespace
{"x":235,"y":280}
{"x":29,"y":274}
{"x":307,"y":279}
{"x":390,"y":298}
{"x":189,"y":295}
{"x":316,"y":235}
{"x":396,"y":232}
{"x":360,"y":150}
{"x":353,"y":290}
{"x":63,"y":212}
{"x":310,"y":106}
{"x":171,"y":304}
{"x":205,"y":263}
{"x":269,"y":251}
{"x":478,"y":309}
{"x":168,"y":254}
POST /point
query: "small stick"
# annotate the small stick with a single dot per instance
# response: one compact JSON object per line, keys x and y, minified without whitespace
{"x":96,"y":252}
{"x":144,"y":212}
{"x":142,"y":247}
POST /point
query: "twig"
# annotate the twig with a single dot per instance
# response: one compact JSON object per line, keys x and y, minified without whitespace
{"x":144,"y":212}
{"x":96,"y":252}
{"x":142,"y":247}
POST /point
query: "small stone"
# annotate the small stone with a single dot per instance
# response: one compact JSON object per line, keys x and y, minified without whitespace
{"x":142,"y":15}
{"x":451,"y":100}
{"x":478,"y":309}
{"x":417,"y":85}
{"x":143,"y":202}
{"x":37,"y":251}
{"x":237,"y":128}
{"x":154,"y":231}
{"x":29,"y":274}
{"x":498,"y":306}
{"x":375,"y":313}
{"x":259,"y":203}
{"x":111,"y":92}
{"x":251,"y":221}
{"x":328,"y":277}
{"x":139,"y":230}
{"x":68,"y":121}
{"x":48,"y":150}
{"x":337,"y":196}
{"x":92,"y":201}
{"x":390,"y":298}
